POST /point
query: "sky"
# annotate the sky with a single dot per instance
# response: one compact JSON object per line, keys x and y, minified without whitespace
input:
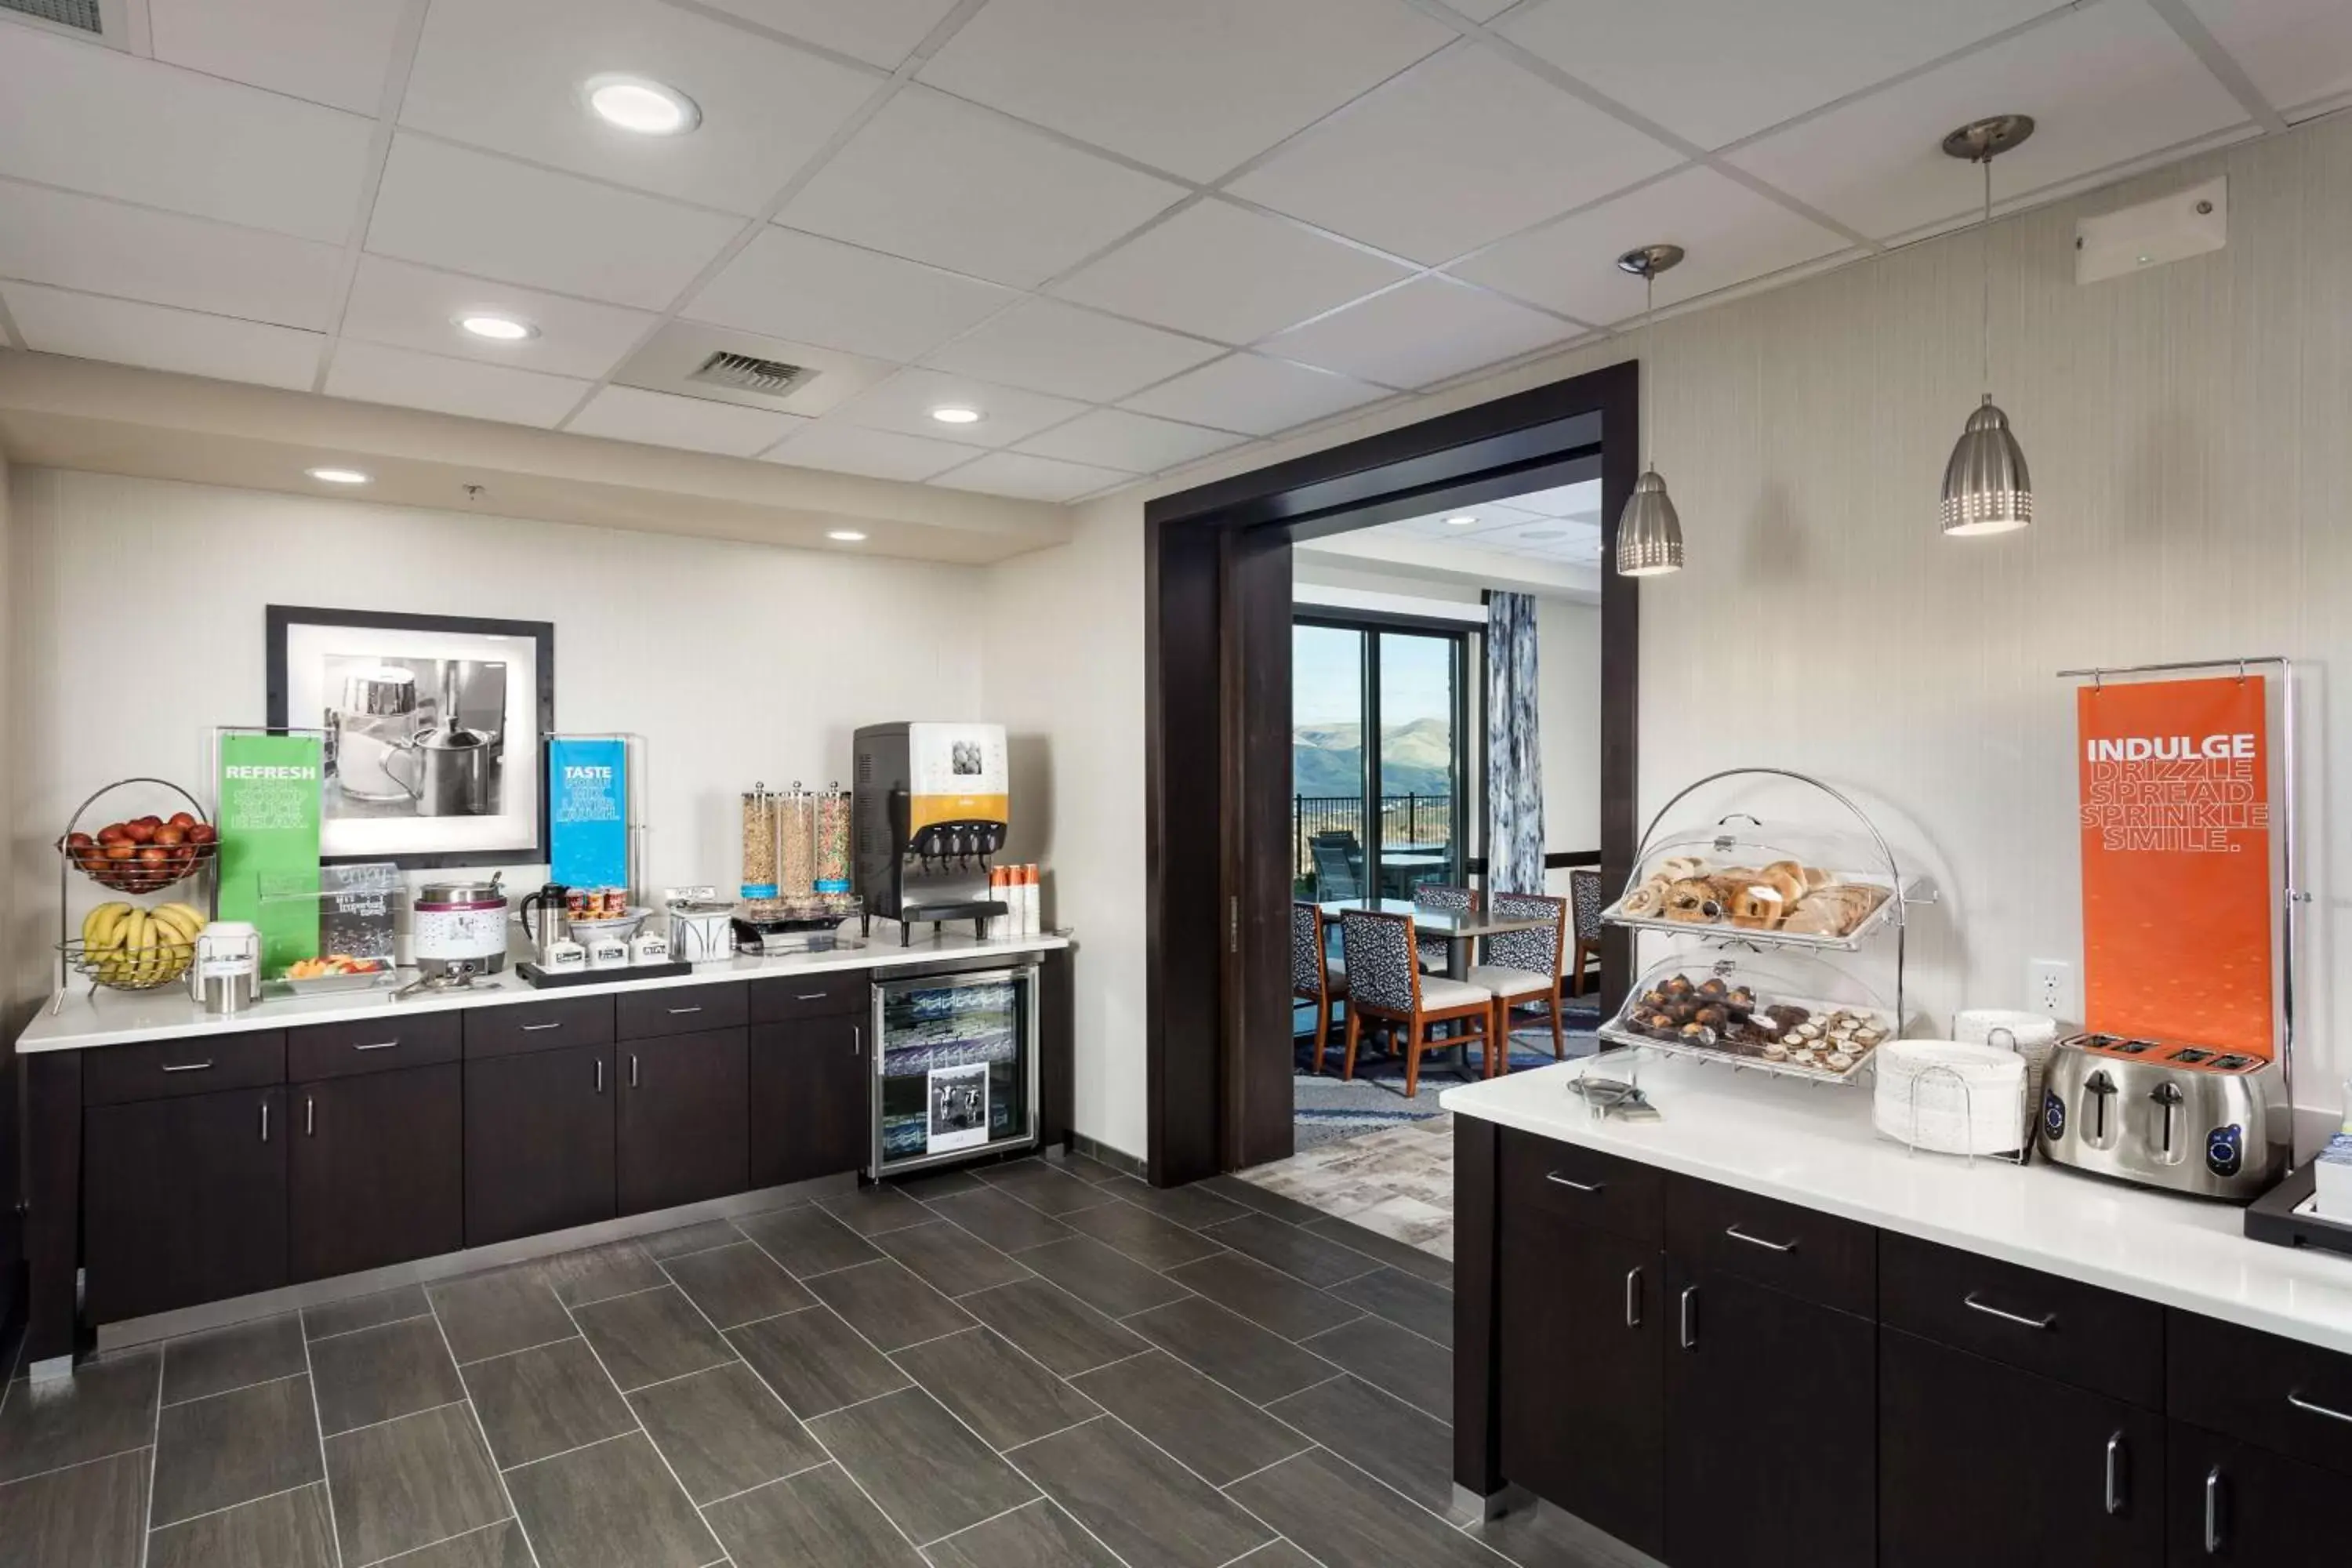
{"x":1327,"y":677}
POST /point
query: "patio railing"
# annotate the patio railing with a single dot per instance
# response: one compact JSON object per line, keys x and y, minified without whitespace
{"x":1411,"y":819}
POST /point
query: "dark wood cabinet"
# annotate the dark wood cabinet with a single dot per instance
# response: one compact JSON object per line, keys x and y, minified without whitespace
{"x":683,"y":1126}
{"x":377,"y":1168}
{"x":1582,"y":1413}
{"x":2231,"y":1502}
{"x":539,"y":1142}
{"x":1981,"y":1462}
{"x":185,"y":1200}
{"x":811,"y":1097}
{"x":1771,"y":1428}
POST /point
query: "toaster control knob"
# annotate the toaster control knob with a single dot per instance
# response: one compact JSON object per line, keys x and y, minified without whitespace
{"x":2053,"y":1115}
{"x":2225,"y":1150}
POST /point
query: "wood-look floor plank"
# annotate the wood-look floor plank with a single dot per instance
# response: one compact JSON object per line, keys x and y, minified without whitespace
{"x":1318,"y":1260}
{"x":650,"y":1336}
{"x":411,"y":1483}
{"x":374,"y":1374}
{"x":229,"y":1448}
{"x":1001,"y":1393}
{"x":91,"y":1515}
{"x":1408,"y":1449}
{"x":1267,"y":1296}
{"x":1112,"y":1284}
{"x":889,"y":1304}
{"x":814,"y":1362}
{"x":1146,"y":1508}
{"x":1213,"y":1430}
{"x":99,"y":1410}
{"x":1344,"y":1519}
{"x":1038,"y":1536}
{"x":611,"y":1505}
{"x":923,"y":1467}
{"x":287,"y":1531}
{"x":723,"y":1432}
{"x":950,"y":1258}
{"x":543,"y":1401}
{"x":235,"y":1357}
{"x":820,"y":1517}
{"x":1052,"y":1325}
{"x":806,"y":1240}
{"x":1230,"y":1349}
{"x":737,"y":1284}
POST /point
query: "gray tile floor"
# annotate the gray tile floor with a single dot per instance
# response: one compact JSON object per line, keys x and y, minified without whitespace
{"x":1041,"y":1366}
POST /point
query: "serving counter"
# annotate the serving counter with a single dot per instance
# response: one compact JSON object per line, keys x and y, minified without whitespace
{"x":1753,"y":1322}
{"x":194,"y":1168}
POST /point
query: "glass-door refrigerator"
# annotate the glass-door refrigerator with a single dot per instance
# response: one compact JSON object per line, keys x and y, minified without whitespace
{"x":955,"y":1069}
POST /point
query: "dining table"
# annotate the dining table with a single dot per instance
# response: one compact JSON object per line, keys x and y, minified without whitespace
{"x":1459,"y":928}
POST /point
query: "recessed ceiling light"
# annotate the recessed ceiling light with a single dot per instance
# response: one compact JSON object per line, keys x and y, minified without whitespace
{"x":498,"y":328}
{"x":647,"y":107}
{"x":953,"y":416}
{"x":1463,"y":520}
{"x":846,"y":535}
{"x":337,"y":475}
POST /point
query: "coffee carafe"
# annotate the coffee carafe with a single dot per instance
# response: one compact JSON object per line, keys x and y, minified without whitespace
{"x":553,"y":904}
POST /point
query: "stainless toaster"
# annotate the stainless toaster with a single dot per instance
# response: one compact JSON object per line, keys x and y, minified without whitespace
{"x":2164,"y":1114}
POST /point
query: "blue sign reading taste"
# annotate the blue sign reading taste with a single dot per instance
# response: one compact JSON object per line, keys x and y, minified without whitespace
{"x":588,"y":812}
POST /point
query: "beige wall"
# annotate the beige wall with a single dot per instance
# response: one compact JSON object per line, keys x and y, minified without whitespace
{"x":138,"y":611}
{"x":1567,"y":717}
{"x":2191,"y":436}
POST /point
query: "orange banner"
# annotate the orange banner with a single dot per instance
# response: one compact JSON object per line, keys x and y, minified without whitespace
{"x":2177,"y":892}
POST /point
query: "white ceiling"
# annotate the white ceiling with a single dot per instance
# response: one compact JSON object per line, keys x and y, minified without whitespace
{"x":1132,"y":231}
{"x":1561,"y":524}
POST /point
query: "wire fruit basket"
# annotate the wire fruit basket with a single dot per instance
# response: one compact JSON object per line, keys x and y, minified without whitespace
{"x":142,"y":968}
{"x":143,"y":853}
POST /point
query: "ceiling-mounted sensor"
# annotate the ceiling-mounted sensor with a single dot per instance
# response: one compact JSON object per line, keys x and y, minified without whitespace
{"x":2169,"y":228}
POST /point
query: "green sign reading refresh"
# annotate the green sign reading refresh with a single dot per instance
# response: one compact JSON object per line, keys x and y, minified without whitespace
{"x":269,"y":792}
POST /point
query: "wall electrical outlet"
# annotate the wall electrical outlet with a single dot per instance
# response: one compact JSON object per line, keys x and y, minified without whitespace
{"x":2050,"y":988}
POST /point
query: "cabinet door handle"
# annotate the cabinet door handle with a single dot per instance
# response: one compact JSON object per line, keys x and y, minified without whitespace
{"x":2213,"y":1511}
{"x":534,"y":1028}
{"x":309,"y":1117}
{"x":1689,"y":1326}
{"x":1633,"y":1298}
{"x":633,"y":1069}
{"x":600,"y":1075}
{"x":681,"y":1012}
{"x":1737,"y":1234}
{"x":1577,"y":1186}
{"x":2116,"y":1458}
{"x":265,"y":1121}
{"x":2300,"y":1403}
{"x":812,"y":996}
{"x":379,"y":1046}
{"x":188,"y":1066}
{"x":2047,"y":1320}
{"x":856,"y":1040}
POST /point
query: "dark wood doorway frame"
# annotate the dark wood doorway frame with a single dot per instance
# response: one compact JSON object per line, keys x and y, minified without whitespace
{"x":1217,"y":727}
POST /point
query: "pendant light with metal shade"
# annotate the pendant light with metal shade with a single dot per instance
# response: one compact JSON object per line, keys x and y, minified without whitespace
{"x":1986,"y":487}
{"x":1649,"y":534}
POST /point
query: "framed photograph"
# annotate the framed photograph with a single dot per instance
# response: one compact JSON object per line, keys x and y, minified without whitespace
{"x":958,"y":1108}
{"x":434,"y":726}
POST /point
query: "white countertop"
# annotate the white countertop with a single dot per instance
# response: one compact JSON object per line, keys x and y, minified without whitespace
{"x":1812,"y":1145}
{"x":168,"y":1012}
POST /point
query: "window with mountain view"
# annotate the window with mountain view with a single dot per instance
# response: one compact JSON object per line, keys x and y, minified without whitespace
{"x":1375,"y":825}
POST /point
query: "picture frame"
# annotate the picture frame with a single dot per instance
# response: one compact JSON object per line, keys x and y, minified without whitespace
{"x":435,"y":731}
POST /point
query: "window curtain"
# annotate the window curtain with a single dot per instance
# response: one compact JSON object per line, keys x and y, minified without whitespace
{"x":1514,"y":831}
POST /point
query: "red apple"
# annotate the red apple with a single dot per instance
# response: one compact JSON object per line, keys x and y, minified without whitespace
{"x":141,"y":831}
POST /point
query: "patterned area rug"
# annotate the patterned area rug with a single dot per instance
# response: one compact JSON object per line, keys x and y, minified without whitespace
{"x":1325,"y":1110}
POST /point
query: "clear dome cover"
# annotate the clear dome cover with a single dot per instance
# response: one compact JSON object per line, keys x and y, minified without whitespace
{"x":1769,"y":881}
{"x":1783,"y":1013}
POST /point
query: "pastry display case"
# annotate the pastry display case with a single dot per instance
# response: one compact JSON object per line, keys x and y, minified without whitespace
{"x":1776,"y":945}
{"x":1781,"y":1013}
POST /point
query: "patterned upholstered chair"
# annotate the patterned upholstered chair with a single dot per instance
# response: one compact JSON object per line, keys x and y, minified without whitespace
{"x":1385,"y":985}
{"x":1314,"y":979}
{"x":1584,"y":894}
{"x":1454,"y":901}
{"x":1522,"y":967}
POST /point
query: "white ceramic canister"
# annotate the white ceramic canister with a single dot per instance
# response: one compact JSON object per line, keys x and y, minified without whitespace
{"x":606,"y":951}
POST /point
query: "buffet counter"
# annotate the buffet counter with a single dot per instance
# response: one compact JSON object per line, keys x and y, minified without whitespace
{"x":123,"y":1017}
{"x":1754,"y":1323}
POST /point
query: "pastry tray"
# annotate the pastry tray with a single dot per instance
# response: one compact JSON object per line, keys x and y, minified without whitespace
{"x":1724,"y":931}
{"x":1753,"y":1058}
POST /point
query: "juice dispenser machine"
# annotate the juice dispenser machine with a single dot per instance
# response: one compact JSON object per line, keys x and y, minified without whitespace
{"x":930,"y":809}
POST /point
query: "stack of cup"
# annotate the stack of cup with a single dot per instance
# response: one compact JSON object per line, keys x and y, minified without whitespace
{"x":2033,"y":1036}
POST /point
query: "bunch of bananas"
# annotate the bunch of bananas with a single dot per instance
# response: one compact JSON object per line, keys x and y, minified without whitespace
{"x":133,"y":949}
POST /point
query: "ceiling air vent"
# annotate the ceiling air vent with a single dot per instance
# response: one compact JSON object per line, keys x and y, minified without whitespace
{"x":81,"y":15}
{"x":748,"y":373}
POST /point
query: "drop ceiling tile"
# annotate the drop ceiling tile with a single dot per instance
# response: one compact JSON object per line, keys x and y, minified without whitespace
{"x":96,"y":120}
{"x":1729,"y":232}
{"x":1716,"y":71}
{"x":1113,"y":438}
{"x":1430,"y":328}
{"x":1458,"y":152}
{"x":679,"y":351}
{"x":881,"y":32}
{"x":662,"y":419}
{"x":2106,"y":84}
{"x":1255,"y":395}
{"x":336,"y":53}
{"x":1031,"y":479}
{"x":469,"y":212}
{"x":1488,"y":10}
{"x":1582,"y":499}
{"x":792,"y":285}
{"x":876,"y":454}
{"x":938,"y":180}
{"x":126,"y":332}
{"x":372,"y":372}
{"x":136,"y":253}
{"x":1195,"y":87}
{"x":1229,"y":273}
{"x":413,"y":306}
{"x":905,"y":401}
{"x":2298,"y":52}
{"x":1070,"y":353}
{"x":509,"y":75}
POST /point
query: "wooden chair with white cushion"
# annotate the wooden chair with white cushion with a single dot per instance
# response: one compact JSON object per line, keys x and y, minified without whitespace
{"x":1313,"y":978}
{"x":1386,"y":985}
{"x":1584,"y":893}
{"x":1454,"y":901}
{"x":1522,"y":967}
